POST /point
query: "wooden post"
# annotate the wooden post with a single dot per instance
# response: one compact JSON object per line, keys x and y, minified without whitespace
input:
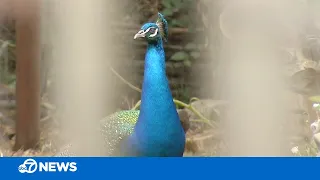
{"x":27,"y":14}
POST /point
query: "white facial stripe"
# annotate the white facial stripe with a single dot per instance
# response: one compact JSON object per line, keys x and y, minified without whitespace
{"x":154,"y":34}
{"x":147,"y":30}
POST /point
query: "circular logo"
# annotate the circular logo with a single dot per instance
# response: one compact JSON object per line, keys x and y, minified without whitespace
{"x":28,"y":166}
{"x":22,"y":168}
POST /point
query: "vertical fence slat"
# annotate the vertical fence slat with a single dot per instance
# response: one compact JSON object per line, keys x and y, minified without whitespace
{"x":28,"y":88}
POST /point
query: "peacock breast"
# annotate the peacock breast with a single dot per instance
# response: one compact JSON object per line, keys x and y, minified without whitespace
{"x":161,"y":139}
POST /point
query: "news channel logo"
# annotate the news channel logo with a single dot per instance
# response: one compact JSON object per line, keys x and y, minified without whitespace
{"x":30,"y":166}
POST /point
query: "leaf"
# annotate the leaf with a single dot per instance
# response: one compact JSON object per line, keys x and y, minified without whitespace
{"x":189,"y":5}
{"x":167,"y":12}
{"x":179,"y":56}
{"x":167,"y":3}
{"x":190,"y":46}
{"x":184,"y":20}
{"x":187,"y":63}
{"x":195,"y":54}
{"x":177,"y":3}
{"x":12,"y":85}
{"x":177,"y":23}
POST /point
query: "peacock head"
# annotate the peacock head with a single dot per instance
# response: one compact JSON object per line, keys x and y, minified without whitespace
{"x":153,"y":32}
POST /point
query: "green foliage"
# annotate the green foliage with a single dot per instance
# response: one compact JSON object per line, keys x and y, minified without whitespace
{"x":178,"y":12}
{"x":180,"y":56}
{"x":195,"y":54}
{"x":306,"y":150}
{"x":189,"y":53}
{"x":184,"y":93}
{"x":190,"y":46}
{"x":7,"y":74}
{"x":182,"y":14}
{"x":315,"y":99}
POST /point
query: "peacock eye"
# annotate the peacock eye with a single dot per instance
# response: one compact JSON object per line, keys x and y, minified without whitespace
{"x":152,"y":30}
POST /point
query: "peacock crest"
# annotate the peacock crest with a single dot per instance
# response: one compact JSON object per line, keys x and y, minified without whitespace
{"x":163,"y":26}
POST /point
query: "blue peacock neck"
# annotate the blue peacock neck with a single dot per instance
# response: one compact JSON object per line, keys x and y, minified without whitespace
{"x":157,"y":107}
{"x":155,"y":60}
{"x":158,"y":131}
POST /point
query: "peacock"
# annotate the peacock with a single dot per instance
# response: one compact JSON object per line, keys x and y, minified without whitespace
{"x":155,"y":130}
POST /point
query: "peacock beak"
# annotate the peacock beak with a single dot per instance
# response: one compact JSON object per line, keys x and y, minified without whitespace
{"x":140,"y":34}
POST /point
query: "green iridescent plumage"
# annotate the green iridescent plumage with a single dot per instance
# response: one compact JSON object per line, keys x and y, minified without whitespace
{"x":116,"y":127}
{"x":113,"y":128}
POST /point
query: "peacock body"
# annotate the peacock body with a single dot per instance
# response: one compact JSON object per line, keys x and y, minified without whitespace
{"x":156,"y":129}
